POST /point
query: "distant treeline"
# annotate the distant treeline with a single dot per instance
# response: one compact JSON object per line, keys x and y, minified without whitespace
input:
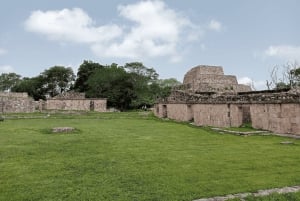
{"x":126,"y":87}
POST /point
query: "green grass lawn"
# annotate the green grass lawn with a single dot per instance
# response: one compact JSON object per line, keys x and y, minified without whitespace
{"x":135,"y":157}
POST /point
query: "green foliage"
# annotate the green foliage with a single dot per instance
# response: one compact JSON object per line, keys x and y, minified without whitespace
{"x":8,"y":81}
{"x":113,"y":83}
{"x":282,"y":85}
{"x":33,"y":86}
{"x":295,"y":75}
{"x":130,"y":87}
{"x":86,"y":69}
{"x":57,"y":79}
{"x":131,"y":156}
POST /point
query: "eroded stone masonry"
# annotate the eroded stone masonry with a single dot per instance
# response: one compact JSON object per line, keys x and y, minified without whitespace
{"x":22,"y":103}
{"x":210,"y":98}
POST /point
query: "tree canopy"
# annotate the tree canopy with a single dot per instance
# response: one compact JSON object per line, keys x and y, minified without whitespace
{"x":8,"y":81}
{"x":125,"y":87}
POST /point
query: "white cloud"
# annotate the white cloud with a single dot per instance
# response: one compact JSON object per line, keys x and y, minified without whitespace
{"x":215,"y":25}
{"x":157,"y":31}
{"x":70,"y":25}
{"x":258,"y":85}
{"x":153,"y":30}
{"x":290,"y":53}
{"x":6,"y":69}
{"x":2,"y":51}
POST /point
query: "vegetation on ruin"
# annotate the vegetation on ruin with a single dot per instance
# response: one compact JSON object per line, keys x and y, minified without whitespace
{"x":134,"y":156}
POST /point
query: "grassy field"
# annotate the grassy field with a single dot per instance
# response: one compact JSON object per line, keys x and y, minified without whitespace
{"x":135,"y":157}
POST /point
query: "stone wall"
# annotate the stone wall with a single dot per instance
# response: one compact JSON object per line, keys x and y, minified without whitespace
{"x":277,"y":111}
{"x":22,"y":103}
{"x":179,"y":112}
{"x":16,"y":103}
{"x":98,"y":105}
{"x":281,"y":118}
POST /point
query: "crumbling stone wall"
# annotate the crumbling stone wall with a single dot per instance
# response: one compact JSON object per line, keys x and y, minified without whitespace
{"x":16,"y":103}
{"x":211,"y":78}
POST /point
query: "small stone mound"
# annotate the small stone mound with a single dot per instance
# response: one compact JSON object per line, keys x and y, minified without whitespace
{"x":63,"y":129}
{"x":287,"y":142}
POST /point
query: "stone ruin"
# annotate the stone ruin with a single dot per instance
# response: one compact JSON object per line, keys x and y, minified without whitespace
{"x":16,"y":103}
{"x":210,"y":98}
{"x":211,"y":79}
{"x":76,"y":101}
{"x":22,"y":103}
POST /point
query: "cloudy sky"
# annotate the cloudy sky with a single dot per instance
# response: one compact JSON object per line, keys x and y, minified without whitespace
{"x":247,"y":38}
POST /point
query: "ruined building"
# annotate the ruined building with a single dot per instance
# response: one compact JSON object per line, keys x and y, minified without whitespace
{"x":16,"y":103}
{"x":210,"y":98}
{"x":22,"y":103}
{"x":211,"y":79}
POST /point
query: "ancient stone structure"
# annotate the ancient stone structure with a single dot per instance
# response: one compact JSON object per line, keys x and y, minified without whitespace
{"x":16,"y":103}
{"x":75,"y":101}
{"x":277,"y":111}
{"x":211,"y":78}
{"x":22,"y":103}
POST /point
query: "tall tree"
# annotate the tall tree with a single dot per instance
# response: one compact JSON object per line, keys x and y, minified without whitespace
{"x":86,"y":69}
{"x":58,"y":79}
{"x":113,"y":83}
{"x":143,"y":80}
{"x":8,"y":81}
{"x":33,"y":86}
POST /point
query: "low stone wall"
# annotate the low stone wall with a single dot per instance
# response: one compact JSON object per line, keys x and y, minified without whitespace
{"x":98,"y":105}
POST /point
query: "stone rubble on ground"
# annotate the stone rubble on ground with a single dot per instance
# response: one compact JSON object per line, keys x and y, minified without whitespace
{"x":260,"y":193}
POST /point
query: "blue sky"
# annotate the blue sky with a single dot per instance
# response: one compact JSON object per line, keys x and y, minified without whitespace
{"x":247,"y":38}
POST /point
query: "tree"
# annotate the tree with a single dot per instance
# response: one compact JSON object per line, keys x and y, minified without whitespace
{"x":165,"y":86}
{"x":288,"y":78}
{"x":33,"y":86}
{"x":143,"y":80}
{"x":57,"y":79}
{"x":86,"y":69}
{"x":8,"y":81}
{"x":114,"y":83}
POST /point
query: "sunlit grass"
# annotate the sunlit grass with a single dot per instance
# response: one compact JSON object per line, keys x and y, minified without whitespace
{"x":134,"y":156}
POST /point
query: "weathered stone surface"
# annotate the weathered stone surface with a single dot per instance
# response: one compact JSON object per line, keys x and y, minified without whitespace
{"x":16,"y":103}
{"x":63,"y":129}
{"x":76,"y":101}
{"x":277,"y":111}
{"x":22,"y":103}
{"x":211,"y":78}
{"x":259,"y":193}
